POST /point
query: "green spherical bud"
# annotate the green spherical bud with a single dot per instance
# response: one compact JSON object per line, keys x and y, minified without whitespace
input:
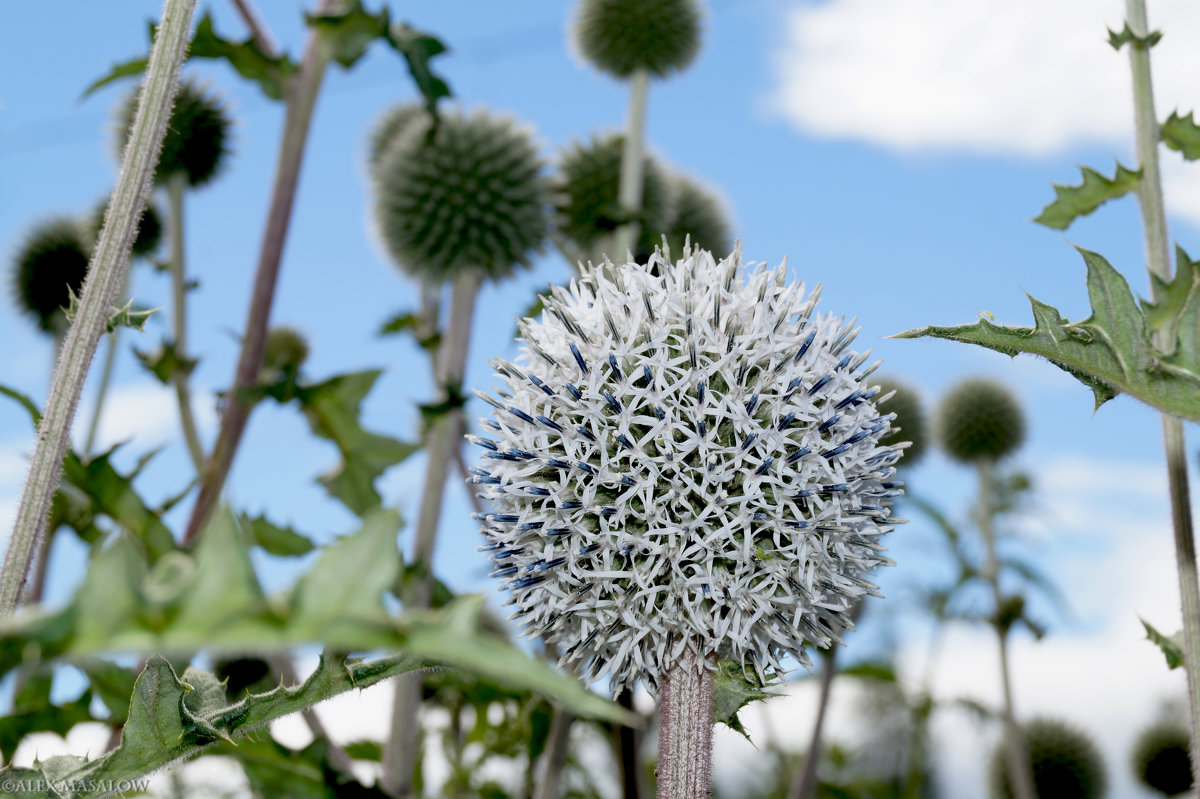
{"x":196,"y":140}
{"x":1066,"y":764}
{"x":468,"y":196}
{"x":390,"y":127}
{"x":696,"y":214}
{"x":588,"y":183}
{"x":149,"y":232}
{"x":285,"y":352}
{"x":979,"y":420}
{"x":1162,"y":758}
{"x":623,"y":36}
{"x":910,"y":418}
{"x":51,"y":265}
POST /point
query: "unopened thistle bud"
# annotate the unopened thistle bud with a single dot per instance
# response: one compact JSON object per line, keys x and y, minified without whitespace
{"x":980,"y":420}
{"x":197,"y":135}
{"x":389,"y":128}
{"x":285,"y":352}
{"x":910,"y":417}
{"x":695,"y":215}
{"x":50,"y":265}
{"x":149,"y":231}
{"x":622,"y":36}
{"x":685,"y":456}
{"x":586,"y":202}
{"x":1065,"y":762}
{"x":1162,"y":758}
{"x":466,"y":195}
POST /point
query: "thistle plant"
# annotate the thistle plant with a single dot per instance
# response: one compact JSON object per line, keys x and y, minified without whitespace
{"x":1145,"y":349}
{"x":978,"y":423}
{"x":462,"y":202}
{"x":633,"y":40}
{"x":1065,"y":762}
{"x":684,"y":468}
{"x":1161,"y":758}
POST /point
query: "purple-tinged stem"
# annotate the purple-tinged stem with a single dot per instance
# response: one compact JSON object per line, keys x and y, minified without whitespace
{"x":685,"y":730}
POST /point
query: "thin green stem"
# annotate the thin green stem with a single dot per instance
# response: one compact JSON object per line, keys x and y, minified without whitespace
{"x":1154,"y":222}
{"x":633,"y":164}
{"x":176,"y":186}
{"x":302,"y":99}
{"x":105,"y":274}
{"x":685,"y":731}
{"x":1020,"y":768}
{"x":441,"y":440}
{"x":554,"y":757}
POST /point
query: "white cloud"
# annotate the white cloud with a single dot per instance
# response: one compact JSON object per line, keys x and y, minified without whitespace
{"x":1019,"y":76}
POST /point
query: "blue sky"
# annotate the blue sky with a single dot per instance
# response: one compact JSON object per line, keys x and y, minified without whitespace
{"x":895,"y":152}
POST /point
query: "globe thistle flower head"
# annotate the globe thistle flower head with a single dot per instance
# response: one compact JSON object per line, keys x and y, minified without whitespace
{"x":1162,"y":758}
{"x":50,"y":265}
{"x":391,"y":126}
{"x":980,"y":420}
{"x":196,"y":141}
{"x":910,"y":417}
{"x":622,"y":36}
{"x":685,"y":455}
{"x":587,"y":205}
{"x":1066,"y":763}
{"x":466,"y":195}
{"x":149,"y":232}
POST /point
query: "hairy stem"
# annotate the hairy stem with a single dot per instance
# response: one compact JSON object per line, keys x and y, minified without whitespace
{"x":105,"y":274}
{"x":805,"y":784}
{"x":633,"y":164}
{"x":685,"y":705}
{"x":1020,"y":768}
{"x":176,"y":185}
{"x":106,"y":374}
{"x":301,"y":100}
{"x":1154,"y":221}
{"x":443,"y":437}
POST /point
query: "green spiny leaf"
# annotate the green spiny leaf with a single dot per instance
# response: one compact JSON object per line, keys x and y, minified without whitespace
{"x":1072,"y":202}
{"x":1117,"y":40}
{"x":346,"y":586}
{"x":272,"y":74}
{"x":880,"y":671}
{"x":1110,"y":351}
{"x":733,"y":689}
{"x":112,"y":494}
{"x":332,"y":410}
{"x":350,"y":31}
{"x":165,"y":362}
{"x":1182,"y":134}
{"x":125,"y":69}
{"x":1171,"y":645}
{"x":276,"y":540}
{"x":418,"y":48}
{"x":25,"y":402}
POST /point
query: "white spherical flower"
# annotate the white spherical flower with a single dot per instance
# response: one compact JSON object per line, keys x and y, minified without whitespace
{"x":685,"y":456}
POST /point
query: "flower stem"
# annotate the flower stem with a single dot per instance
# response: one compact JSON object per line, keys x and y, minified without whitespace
{"x":106,"y":373}
{"x":176,"y":185}
{"x":554,"y":758}
{"x":685,"y":733}
{"x":633,"y":164}
{"x":302,"y":99}
{"x":105,"y":274}
{"x":1154,"y":222}
{"x":441,"y":441}
{"x":805,"y":785}
{"x":1020,"y":768}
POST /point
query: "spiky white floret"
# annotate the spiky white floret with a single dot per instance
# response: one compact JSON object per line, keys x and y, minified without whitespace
{"x":684,"y":455}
